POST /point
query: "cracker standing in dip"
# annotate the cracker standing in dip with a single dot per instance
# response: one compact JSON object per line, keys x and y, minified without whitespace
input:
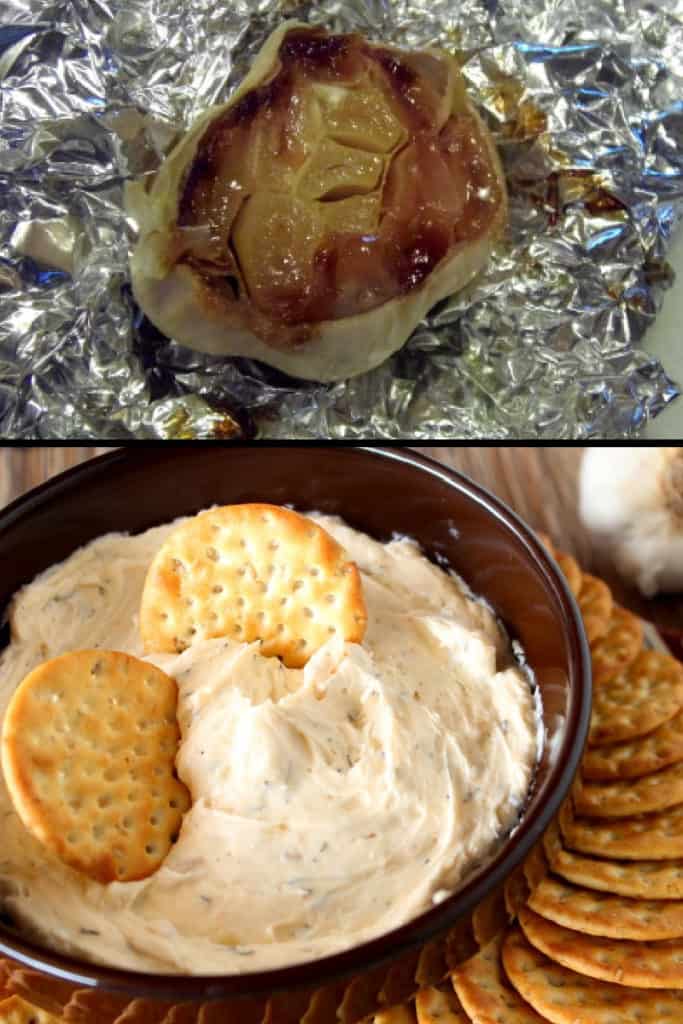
{"x":330,"y":803}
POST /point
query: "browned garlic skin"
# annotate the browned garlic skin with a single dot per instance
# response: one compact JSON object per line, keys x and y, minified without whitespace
{"x":312,"y":220}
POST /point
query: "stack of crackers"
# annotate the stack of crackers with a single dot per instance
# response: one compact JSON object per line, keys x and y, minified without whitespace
{"x":597,"y":929}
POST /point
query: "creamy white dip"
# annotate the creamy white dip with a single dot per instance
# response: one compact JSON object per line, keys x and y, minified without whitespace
{"x":330,"y":804}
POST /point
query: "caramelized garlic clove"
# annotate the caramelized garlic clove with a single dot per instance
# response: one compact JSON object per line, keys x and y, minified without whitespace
{"x":336,"y":172}
{"x":426,"y":85}
{"x":275,"y":238}
{"x":364,"y":274}
{"x":364,"y":119}
{"x":355,"y":215}
{"x":282,"y":140}
{"x":419,"y":180}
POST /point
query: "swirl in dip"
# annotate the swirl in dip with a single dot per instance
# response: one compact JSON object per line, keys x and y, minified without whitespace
{"x":330,"y":804}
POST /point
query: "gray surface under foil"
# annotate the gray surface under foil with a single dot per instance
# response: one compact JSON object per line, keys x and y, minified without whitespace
{"x":586,"y":100}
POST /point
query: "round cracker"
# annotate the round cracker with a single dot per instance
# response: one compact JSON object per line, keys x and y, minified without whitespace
{"x":253,"y":573}
{"x":565,"y":997}
{"x":647,"y":694}
{"x":657,"y":836}
{"x":535,"y":866}
{"x":88,"y":753}
{"x":626,"y":797}
{"x":516,"y":890}
{"x":490,"y":917}
{"x":403,"y":1014}
{"x":568,"y":565}
{"x":656,"y":879}
{"x":619,"y":646}
{"x":633,"y":758}
{"x":439,"y":1006}
{"x":571,"y":571}
{"x":612,"y":917}
{"x":640,"y":964}
{"x":16,"y":1010}
{"x":595,"y":604}
{"x":485,"y":992}
{"x":546,"y":541}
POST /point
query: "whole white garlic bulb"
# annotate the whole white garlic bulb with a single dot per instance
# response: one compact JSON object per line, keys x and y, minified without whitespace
{"x":632,"y":499}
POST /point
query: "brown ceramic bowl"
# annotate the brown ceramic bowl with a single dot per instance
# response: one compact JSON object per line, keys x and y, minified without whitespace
{"x":381,"y":491}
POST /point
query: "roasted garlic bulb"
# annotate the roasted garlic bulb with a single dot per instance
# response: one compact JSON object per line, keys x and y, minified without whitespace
{"x":313,"y":219}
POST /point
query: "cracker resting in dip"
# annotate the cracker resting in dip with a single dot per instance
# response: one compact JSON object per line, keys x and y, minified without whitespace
{"x":330,"y":804}
{"x":313,"y":219}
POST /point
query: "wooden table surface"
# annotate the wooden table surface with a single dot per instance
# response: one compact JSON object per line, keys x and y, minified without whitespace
{"x":539,"y":483}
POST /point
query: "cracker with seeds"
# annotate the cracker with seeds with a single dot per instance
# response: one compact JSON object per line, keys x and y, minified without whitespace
{"x":4,"y":979}
{"x":619,"y":646}
{"x":404,"y":1014}
{"x":546,"y":541}
{"x":16,"y":1010}
{"x":633,"y":758}
{"x":655,"y":879}
{"x":595,"y":604}
{"x":641,"y":964}
{"x":657,"y":836}
{"x":253,"y":573}
{"x":654,"y":792}
{"x":567,"y":564}
{"x":439,"y":1006}
{"x":612,"y":917}
{"x":647,"y":694}
{"x":516,"y":890}
{"x":490,"y":917}
{"x":485,"y":992}
{"x":565,"y":997}
{"x":535,"y":866}
{"x":208,"y":1013}
{"x":88,"y":752}
{"x":571,"y":571}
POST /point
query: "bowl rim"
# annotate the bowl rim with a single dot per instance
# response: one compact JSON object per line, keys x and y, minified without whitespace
{"x":418,"y":930}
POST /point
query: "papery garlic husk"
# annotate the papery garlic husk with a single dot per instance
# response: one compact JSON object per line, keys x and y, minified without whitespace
{"x":632,"y":499}
{"x":313,"y":219}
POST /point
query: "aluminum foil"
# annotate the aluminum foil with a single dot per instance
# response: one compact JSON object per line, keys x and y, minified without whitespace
{"x":585,"y":98}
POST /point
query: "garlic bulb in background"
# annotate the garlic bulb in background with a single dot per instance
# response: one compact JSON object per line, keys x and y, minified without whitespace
{"x":632,"y":498}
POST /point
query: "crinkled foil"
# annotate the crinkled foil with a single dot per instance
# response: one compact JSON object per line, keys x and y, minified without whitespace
{"x":585,"y":98}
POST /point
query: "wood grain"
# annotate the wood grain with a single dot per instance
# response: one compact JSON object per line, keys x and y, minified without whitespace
{"x":539,"y":483}
{"x":23,"y":468}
